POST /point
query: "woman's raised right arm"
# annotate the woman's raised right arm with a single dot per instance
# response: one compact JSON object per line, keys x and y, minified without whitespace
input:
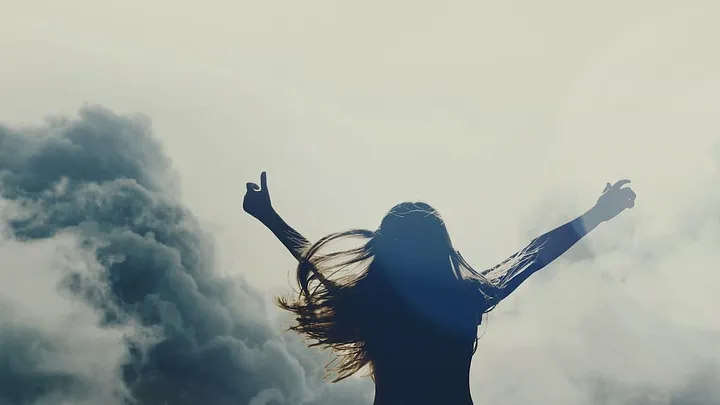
{"x":257,"y":203}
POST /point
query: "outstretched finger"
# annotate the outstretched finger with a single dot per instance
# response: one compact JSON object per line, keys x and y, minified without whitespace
{"x":252,"y":187}
{"x":620,"y":183}
{"x":263,"y":181}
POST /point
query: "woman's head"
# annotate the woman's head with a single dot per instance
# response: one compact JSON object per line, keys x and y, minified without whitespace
{"x":411,"y":234}
{"x":414,"y":224}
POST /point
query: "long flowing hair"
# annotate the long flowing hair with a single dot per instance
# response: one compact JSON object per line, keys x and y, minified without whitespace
{"x":333,"y":284}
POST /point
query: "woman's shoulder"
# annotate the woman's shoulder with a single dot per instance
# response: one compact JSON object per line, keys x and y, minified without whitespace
{"x":482,"y":293}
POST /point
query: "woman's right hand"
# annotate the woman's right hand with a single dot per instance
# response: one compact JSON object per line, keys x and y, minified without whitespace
{"x":257,"y":199}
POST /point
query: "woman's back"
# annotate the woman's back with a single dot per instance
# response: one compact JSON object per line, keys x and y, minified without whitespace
{"x":420,"y":341}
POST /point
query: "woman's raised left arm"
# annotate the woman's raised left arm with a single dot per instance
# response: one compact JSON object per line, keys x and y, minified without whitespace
{"x":544,"y":249}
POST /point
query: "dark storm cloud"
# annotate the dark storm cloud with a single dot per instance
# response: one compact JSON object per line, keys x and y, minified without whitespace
{"x":105,"y":178}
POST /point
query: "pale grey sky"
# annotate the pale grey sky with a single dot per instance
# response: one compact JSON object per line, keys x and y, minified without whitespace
{"x":509,"y":117}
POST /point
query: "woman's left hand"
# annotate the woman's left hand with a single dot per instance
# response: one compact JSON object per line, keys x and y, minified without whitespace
{"x":614,"y":200}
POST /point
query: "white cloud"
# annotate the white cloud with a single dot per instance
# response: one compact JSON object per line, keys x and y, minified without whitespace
{"x":51,"y":334}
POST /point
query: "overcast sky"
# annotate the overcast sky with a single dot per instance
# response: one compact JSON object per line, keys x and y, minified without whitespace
{"x":508,"y":117}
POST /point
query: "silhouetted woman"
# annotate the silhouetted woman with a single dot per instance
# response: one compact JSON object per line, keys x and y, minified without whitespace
{"x":404,"y":302}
